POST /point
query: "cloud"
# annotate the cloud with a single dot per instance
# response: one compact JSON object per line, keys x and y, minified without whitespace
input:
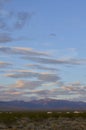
{"x":5,"y":37}
{"x":11,"y":21}
{"x":25,"y":90}
{"x":5,"y":15}
{"x":67,"y":91}
{"x":13,"y":92}
{"x":37,"y":66}
{"x":42,"y":93}
{"x":68,"y":61}
{"x":30,"y":51}
{"x":23,"y":74}
{"x":5,"y":64}
{"x":46,"y":77}
{"x":21,"y":19}
{"x":52,"y":34}
{"x":17,"y":20}
{"x":22,"y":51}
{"x":75,"y":87}
{"x":53,"y":93}
{"x":7,"y":95}
{"x":56,"y":84}
{"x":26,"y":85}
{"x":27,"y":82}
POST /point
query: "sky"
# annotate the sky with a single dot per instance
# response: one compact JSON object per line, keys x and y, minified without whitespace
{"x":42,"y":50}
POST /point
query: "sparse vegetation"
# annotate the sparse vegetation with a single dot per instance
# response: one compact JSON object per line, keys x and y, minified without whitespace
{"x":42,"y":120}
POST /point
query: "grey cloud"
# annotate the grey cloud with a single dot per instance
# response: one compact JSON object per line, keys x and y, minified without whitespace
{"x":52,"y":34}
{"x":42,"y":93}
{"x":10,"y":97}
{"x":17,"y":19}
{"x":80,"y":98}
{"x":23,"y":89}
{"x":5,"y":37}
{"x":44,"y":77}
{"x":4,"y":16}
{"x":54,"y":93}
{"x":11,"y":21}
{"x":5,"y":64}
{"x":7,"y":94}
{"x":37,"y":66}
{"x":48,"y":77}
{"x":74,"y":87}
{"x":76,"y":91}
{"x":21,"y":51}
{"x":56,"y":61}
{"x":22,"y":75}
{"x":22,"y":18}
{"x":67,"y":92}
{"x":76,"y":84}
{"x":15,"y":22}
{"x":29,"y":51}
{"x":27,"y":85}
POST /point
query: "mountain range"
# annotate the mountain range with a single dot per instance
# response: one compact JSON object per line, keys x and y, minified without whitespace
{"x":42,"y":104}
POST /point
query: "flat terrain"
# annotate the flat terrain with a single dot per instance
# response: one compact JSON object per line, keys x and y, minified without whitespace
{"x":42,"y":120}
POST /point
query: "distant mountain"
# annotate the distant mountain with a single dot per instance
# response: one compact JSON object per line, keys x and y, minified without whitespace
{"x":42,"y":104}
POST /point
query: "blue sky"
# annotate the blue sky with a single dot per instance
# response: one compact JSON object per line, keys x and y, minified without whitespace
{"x":42,"y":49}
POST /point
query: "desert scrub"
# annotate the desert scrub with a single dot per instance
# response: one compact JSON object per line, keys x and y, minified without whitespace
{"x":7,"y":118}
